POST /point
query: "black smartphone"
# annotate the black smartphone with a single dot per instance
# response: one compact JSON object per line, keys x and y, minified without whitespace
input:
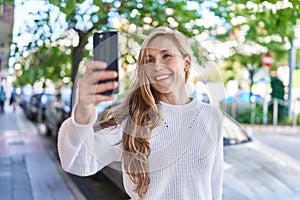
{"x":106,"y":48}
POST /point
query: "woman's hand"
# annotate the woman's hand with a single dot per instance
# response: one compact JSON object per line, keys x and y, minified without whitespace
{"x":90,"y":90}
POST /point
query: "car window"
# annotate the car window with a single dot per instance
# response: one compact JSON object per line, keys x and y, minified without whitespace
{"x":66,"y":95}
{"x":45,"y":99}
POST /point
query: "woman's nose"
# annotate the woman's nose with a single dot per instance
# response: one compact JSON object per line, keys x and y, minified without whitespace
{"x":158,"y":66}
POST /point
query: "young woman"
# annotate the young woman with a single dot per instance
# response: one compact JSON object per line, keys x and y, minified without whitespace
{"x":170,"y":145}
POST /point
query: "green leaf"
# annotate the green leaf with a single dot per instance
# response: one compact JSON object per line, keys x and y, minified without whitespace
{"x":98,"y":3}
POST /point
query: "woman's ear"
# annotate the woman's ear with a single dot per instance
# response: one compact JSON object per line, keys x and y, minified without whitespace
{"x":187,"y":62}
{"x":187,"y":67}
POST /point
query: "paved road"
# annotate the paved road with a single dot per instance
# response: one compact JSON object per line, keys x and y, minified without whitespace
{"x":283,"y":138}
{"x":285,"y":141}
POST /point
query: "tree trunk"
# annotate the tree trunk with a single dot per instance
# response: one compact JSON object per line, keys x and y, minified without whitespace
{"x":77,"y":56}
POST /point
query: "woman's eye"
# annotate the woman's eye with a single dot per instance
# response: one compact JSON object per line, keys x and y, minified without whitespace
{"x":148,"y":60}
{"x":167,"y":56}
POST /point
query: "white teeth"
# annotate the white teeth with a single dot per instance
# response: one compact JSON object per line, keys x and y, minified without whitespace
{"x":162,"y":77}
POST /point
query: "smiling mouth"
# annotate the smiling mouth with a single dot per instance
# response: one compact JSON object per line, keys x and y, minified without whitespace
{"x":163,"y":77}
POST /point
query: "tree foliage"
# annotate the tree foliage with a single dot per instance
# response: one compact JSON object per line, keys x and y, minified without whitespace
{"x":40,"y":66}
{"x":269,"y":24}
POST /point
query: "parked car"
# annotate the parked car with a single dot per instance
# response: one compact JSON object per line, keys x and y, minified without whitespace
{"x":57,"y":111}
{"x":251,"y":169}
{"x":24,"y":101}
{"x":35,"y":109}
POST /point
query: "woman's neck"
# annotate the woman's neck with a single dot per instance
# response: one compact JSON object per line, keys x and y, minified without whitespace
{"x":174,"y":99}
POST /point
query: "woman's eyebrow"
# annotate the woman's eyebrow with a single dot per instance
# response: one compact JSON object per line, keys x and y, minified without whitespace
{"x":149,"y":55}
{"x":165,"y":50}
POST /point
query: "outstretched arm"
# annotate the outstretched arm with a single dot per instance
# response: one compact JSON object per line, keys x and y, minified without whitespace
{"x":81,"y":150}
{"x":84,"y":152}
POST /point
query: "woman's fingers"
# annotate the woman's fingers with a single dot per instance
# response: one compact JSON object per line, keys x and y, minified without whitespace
{"x":96,"y":87}
{"x":95,"y":66}
{"x":95,"y":72}
{"x":96,"y":81}
{"x":103,"y":87}
{"x":97,"y":76}
{"x":95,"y":93}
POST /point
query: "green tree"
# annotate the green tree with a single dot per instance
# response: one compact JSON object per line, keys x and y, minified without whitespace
{"x":40,"y":66}
{"x":266,"y":24}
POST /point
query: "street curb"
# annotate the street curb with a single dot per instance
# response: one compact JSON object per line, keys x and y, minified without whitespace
{"x":71,"y":185}
{"x":272,"y":129}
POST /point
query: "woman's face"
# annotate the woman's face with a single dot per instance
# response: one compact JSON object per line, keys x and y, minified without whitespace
{"x":165,"y":66}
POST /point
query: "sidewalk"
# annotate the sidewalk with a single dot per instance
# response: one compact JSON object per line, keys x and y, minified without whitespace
{"x":27,"y":170}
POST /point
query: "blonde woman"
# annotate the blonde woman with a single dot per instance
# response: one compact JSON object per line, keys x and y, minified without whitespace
{"x":170,"y":145}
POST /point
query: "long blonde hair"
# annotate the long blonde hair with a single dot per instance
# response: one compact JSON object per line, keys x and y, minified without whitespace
{"x":142,"y":112}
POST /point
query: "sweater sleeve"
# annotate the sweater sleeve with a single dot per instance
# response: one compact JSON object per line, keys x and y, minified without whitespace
{"x":84,"y":152}
{"x":217,"y":169}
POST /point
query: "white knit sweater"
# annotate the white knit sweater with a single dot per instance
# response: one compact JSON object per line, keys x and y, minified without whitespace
{"x":186,"y":159}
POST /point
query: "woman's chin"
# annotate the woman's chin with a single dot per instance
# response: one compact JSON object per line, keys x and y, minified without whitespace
{"x":163,"y":90}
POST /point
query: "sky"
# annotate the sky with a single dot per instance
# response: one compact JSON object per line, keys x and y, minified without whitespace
{"x":21,"y":16}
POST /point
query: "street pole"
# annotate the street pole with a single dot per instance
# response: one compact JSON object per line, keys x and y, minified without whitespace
{"x":292,"y":62}
{"x":252,"y":104}
{"x":265,"y":112}
{"x":275,"y":112}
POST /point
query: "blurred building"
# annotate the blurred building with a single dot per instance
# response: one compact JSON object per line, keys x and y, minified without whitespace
{"x":6,"y":26}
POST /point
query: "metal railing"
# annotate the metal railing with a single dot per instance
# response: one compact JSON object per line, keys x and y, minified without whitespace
{"x":232,"y":110}
{"x":276,"y":102}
